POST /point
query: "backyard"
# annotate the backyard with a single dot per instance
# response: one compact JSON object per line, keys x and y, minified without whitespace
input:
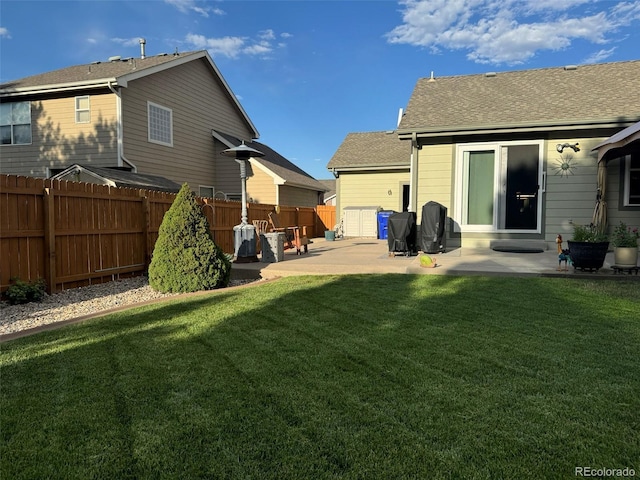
{"x":353,"y":376}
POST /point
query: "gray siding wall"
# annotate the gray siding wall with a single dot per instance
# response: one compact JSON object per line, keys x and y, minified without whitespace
{"x":569,"y":199}
{"x":199,"y":103}
{"x":227,"y":172}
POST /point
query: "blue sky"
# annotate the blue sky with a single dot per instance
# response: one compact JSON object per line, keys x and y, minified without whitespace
{"x":309,"y":72}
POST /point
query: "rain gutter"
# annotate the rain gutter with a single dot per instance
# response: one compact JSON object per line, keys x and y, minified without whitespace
{"x":406,"y":134}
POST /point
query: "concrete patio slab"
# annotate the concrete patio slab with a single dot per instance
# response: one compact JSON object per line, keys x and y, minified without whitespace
{"x":368,"y":255}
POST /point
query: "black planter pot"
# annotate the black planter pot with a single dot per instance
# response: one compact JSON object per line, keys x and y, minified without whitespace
{"x":588,"y":255}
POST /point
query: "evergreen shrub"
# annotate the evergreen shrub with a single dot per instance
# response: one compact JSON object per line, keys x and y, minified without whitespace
{"x":25,"y":292}
{"x":185,"y":257}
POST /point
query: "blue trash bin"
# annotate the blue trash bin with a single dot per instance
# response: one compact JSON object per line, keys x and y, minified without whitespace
{"x":383,"y":220}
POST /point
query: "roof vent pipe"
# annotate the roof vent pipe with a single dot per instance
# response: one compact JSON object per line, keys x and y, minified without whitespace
{"x":143,"y":42}
{"x":432,"y":78}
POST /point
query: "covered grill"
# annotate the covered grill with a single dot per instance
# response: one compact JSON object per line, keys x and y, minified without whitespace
{"x":432,"y":233}
{"x":401,"y":233}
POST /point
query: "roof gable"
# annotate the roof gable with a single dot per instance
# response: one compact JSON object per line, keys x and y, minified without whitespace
{"x":117,"y":72}
{"x":371,"y":149}
{"x":281,"y":169}
{"x":95,"y":74}
{"x":551,"y":96}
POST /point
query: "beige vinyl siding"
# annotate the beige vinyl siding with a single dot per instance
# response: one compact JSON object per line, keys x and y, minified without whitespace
{"x":199,"y":104}
{"x":56,"y":136}
{"x":299,"y":197}
{"x":435,"y":176}
{"x":368,"y":189}
{"x":261,"y":188}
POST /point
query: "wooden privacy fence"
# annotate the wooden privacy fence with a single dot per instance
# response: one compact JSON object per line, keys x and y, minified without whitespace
{"x":73,"y":234}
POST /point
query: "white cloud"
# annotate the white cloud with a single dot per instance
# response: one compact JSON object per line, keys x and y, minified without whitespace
{"x":4,"y":33}
{"x":227,"y":46}
{"x":186,"y":6}
{"x":262,"y":45}
{"x":508,"y":31}
{"x":267,"y":34}
{"x":599,"y":56}
{"x":127,"y":42}
{"x":261,"y":48}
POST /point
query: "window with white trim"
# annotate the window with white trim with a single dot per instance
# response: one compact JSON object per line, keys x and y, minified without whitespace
{"x":160,"y":124}
{"x":15,"y":123}
{"x":498,"y":187}
{"x":632,"y":180}
{"x":206,"y":191}
{"x":83,"y":110}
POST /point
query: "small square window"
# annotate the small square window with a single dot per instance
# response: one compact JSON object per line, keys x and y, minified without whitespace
{"x":83,"y":110}
{"x":206,"y":191}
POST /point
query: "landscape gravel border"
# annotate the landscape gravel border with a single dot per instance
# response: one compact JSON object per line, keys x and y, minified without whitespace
{"x":79,"y":304}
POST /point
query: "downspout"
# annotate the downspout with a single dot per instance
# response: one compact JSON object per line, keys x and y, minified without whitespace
{"x":336,"y":175}
{"x":120,"y":133}
{"x":278,"y":186}
{"x":413,"y":171}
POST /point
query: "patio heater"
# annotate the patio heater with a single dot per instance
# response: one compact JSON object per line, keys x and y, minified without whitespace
{"x":244,"y":234}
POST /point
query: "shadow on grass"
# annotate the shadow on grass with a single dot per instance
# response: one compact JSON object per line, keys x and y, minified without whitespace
{"x":377,"y":376}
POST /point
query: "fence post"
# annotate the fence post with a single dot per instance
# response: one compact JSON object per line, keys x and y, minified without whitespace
{"x":49,"y":240}
{"x":146,"y":226}
{"x":316,"y":222}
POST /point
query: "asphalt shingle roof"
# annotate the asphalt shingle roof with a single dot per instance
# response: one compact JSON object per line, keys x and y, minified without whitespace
{"x":123,"y":178}
{"x":279,"y":165}
{"x":527,"y":97}
{"x":371,"y":149}
{"x":93,"y":72}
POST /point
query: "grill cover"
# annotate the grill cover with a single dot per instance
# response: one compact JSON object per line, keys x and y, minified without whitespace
{"x":432,"y":236}
{"x":401,"y":232}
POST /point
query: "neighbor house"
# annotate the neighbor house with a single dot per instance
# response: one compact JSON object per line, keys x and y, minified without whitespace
{"x":152,"y":115}
{"x":115,"y":177}
{"x":272,"y":179}
{"x":511,"y":154}
{"x":329,"y":197}
{"x":372,"y":169}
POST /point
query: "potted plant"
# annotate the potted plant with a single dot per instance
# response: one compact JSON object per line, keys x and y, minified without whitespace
{"x":625,"y":243}
{"x":588,"y":248}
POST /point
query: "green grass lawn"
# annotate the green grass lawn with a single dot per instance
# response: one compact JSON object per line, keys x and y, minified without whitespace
{"x":368,"y":376}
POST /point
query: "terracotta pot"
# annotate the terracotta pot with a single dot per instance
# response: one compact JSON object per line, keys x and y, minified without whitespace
{"x":626,"y":256}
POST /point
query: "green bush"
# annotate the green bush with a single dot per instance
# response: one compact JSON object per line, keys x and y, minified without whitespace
{"x":588,"y":233}
{"x":25,"y":292}
{"x":185,"y":257}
